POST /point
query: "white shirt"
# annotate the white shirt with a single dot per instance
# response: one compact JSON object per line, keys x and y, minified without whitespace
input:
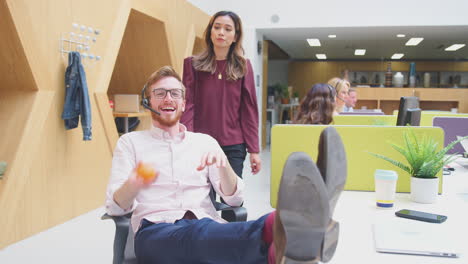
{"x":179,"y":186}
{"x":348,"y":109}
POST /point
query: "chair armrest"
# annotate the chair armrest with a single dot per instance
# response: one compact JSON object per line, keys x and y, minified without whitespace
{"x":231,"y":213}
{"x":122,"y":225}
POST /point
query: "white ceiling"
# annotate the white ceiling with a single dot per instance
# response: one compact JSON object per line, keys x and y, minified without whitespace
{"x":368,"y":24}
{"x":379,"y":42}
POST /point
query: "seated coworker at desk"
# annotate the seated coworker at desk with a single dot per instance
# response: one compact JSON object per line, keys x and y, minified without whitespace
{"x":350,"y":100}
{"x":341,"y":87}
{"x":318,"y":106}
{"x":173,"y":216}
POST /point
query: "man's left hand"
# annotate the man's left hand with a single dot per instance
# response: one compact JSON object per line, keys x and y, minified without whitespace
{"x":213,"y":157}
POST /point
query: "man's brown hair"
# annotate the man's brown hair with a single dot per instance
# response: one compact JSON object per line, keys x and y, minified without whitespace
{"x":163,"y":72}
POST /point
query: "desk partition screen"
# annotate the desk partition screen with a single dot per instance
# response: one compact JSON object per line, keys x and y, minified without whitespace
{"x":358,"y":141}
{"x":453,"y":127}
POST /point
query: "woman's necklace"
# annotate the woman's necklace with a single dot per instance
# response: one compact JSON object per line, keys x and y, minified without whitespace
{"x":220,"y":75}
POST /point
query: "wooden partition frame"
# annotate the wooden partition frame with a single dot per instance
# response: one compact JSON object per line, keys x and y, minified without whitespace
{"x":52,"y":174}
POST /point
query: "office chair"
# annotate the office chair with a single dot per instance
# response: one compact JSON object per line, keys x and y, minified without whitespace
{"x":123,"y":240}
{"x":133,"y":122}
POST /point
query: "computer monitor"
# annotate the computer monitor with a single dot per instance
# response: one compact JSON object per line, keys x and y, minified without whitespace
{"x":409,"y":111}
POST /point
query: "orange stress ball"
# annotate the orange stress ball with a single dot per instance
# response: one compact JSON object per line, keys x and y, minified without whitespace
{"x":146,"y":172}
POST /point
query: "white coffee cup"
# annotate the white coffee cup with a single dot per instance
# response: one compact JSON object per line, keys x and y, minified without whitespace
{"x":385,"y":187}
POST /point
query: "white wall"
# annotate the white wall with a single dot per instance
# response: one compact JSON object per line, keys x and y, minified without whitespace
{"x":342,"y":13}
{"x":251,"y":37}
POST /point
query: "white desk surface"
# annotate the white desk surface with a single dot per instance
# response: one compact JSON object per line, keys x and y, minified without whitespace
{"x":356,"y":212}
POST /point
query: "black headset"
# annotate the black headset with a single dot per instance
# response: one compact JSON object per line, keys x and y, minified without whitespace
{"x":145,"y":102}
{"x":332,"y":92}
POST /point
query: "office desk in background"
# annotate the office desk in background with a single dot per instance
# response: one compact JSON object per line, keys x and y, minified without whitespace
{"x":291,"y":108}
{"x":127,"y":115}
{"x":356,"y":212}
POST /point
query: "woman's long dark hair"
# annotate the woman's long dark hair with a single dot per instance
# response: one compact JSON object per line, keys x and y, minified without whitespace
{"x":318,"y":105}
{"x":236,"y":64}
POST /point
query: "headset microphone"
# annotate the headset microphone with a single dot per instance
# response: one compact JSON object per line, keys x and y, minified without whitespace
{"x":145,"y":102}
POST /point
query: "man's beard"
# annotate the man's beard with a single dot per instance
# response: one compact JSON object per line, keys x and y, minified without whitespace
{"x":167,"y":122}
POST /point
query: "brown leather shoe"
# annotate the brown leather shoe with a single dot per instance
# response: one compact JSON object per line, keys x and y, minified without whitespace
{"x":302,"y":216}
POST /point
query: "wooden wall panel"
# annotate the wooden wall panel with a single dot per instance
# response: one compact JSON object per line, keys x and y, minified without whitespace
{"x":198,"y":46}
{"x":52,"y":174}
{"x":143,"y":50}
{"x":431,"y":98}
{"x":303,"y":74}
{"x":10,"y":101}
{"x":20,"y":171}
{"x":178,"y":29}
{"x":16,"y":73}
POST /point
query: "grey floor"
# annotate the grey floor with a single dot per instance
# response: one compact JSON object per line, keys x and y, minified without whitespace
{"x":88,"y":239}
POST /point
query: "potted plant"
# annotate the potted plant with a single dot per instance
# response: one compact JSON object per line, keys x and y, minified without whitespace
{"x":424,"y":162}
{"x":296,"y":97}
{"x":282,"y":91}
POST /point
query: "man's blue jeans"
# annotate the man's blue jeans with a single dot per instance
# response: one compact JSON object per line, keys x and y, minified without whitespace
{"x":201,"y":241}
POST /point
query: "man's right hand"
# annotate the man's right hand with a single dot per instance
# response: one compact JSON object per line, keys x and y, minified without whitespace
{"x":127,"y":193}
{"x":143,"y":176}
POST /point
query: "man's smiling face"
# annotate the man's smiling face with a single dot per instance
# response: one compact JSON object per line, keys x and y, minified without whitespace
{"x":163,"y":101}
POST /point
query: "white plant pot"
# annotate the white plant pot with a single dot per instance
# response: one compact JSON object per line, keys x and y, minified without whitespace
{"x":424,"y":190}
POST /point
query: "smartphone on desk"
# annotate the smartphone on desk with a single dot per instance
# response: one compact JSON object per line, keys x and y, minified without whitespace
{"x":421,"y":216}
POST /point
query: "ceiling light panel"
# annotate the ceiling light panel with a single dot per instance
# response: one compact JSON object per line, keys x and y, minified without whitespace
{"x":332,"y":36}
{"x":313,"y":42}
{"x":321,"y":56}
{"x":414,"y":41}
{"x":359,"y":52}
{"x":401,"y":35}
{"x":397,"y":56}
{"x":455,"y":47}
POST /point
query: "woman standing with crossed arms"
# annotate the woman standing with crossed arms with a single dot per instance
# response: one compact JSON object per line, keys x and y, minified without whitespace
{"x":221,"y":98}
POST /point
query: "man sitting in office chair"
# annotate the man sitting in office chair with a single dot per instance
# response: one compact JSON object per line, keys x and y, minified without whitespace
{"x":173,"y":216}
{"x":350,"y":100}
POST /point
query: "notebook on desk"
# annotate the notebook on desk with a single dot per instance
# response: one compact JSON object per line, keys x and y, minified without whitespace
{"x":414,"y":239}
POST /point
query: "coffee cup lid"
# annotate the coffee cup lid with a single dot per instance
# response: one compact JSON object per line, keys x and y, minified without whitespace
{"x":386,"y":175}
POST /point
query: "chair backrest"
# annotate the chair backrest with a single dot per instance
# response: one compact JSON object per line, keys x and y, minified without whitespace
{"x":358,"y":141}
{"x":453,"y":127}
{"x":132,"y":124}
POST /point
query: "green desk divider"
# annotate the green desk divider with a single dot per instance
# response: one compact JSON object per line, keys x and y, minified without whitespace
{"x":428,"y":116}
{"x":366,"y":120}
{"x":358,"y":141}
